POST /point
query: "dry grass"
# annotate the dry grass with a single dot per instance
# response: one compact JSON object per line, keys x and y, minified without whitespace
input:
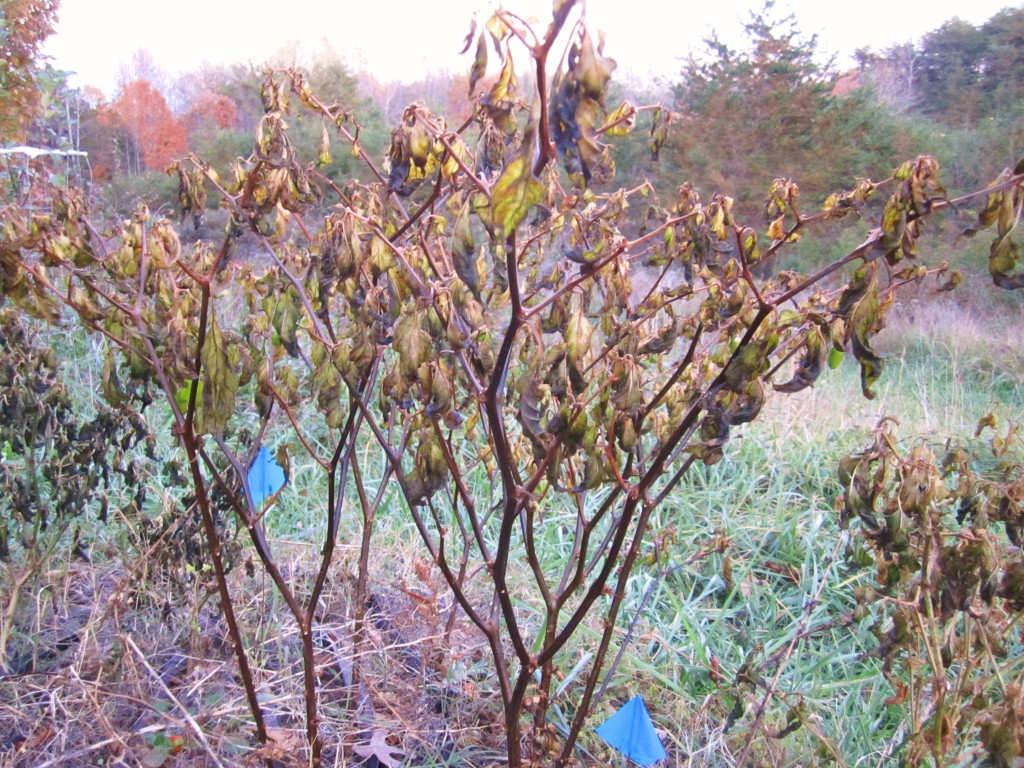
{"x":122,"y":672}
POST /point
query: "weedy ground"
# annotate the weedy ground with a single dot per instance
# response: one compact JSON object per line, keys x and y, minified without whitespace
{"x":121,"y":659}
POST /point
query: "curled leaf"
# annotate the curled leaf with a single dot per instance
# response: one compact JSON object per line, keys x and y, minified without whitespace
{"x":464,"y":251}
{"x":620,"y":122}
{"x":864,"y":321}
{"x":811,"y":364}
{"x":413,"y":345}
{"x":220,"y":382}
{"x":479,"y":63}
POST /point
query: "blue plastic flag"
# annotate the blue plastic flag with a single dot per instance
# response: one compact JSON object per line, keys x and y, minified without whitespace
{"x":265,"y":477}
{"x":631,"y":731}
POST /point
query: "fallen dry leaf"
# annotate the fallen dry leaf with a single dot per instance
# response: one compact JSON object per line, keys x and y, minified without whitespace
{"x":378,"y":747}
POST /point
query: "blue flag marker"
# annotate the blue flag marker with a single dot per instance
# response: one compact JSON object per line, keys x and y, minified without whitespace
{"x":265,"y":477}
{"x":631,"y":731}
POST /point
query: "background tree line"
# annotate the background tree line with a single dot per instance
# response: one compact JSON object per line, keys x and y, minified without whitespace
{"x":737,"y":115}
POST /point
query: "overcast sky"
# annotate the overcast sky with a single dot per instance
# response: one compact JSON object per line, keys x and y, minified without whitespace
{"x":400,"y":39}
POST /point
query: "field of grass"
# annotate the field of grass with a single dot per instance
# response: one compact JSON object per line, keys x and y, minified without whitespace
{"x":739,"y":629}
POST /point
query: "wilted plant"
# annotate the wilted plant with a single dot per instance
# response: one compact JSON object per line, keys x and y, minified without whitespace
{"x":946,"y":598}
{"x":60,"y":473}
{"x":535,"y":359}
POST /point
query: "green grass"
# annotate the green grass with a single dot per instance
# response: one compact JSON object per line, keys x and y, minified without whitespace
{"x":756,"y":579}
{"x":771,"y":502}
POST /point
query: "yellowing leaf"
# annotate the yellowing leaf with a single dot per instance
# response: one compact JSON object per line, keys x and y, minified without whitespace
{"x":479,"y":64}
{"x":325,"y":147}
{"x":578,"y":334}
{"x":514,"y":193}
{"x":864,"y":320}
{"x":181,"y":397}
{"x":620,"y":122}
{"x":220,"y":382}
{"x":464,"y":251}
{"x":413,"y":345}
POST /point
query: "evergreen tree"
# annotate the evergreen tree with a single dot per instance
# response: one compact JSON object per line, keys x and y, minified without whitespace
{"x":766,"y":112}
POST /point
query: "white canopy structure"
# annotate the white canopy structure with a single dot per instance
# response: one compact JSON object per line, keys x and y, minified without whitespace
{"x":34,"y":152}
{"x":30,"y":183}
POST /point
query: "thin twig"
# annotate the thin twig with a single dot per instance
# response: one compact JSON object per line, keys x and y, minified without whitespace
{"x":167,"y":692}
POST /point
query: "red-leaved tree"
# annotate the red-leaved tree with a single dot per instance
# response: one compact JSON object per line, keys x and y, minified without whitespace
{"x":157,"y":136}
{"x":210,"y":111}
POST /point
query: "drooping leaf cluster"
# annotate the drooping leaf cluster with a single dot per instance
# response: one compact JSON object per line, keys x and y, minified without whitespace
{"x":944,"y":536}
{"x":59,"y":471}
{"x":1003,"y":208}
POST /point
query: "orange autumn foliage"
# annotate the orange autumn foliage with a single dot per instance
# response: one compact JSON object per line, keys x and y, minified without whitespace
{"x":142,"y":111}
{"x":210,"y":111}
{"x":24,"y":26}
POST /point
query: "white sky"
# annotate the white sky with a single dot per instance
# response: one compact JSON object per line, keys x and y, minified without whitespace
{"x":399,"y":39}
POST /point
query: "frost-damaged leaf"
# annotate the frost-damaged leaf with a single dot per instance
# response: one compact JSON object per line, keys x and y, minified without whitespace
{"x":627,"y":390}
{"x":988,"y":215}
{"x":811,"y":364}
{"x":855,"y":290}
{"x":593,"y":70}
{"x":437,"y":386}
{"x":412,"y":156}
{"x":429,"y":472}
{"x":498,"y":30}
{"x":531,"y":405}
{"x":864,"y":321}
{"x":659,"y":132}
{"x":501,"y":99}
{"x":469,"y":37}
{"x":620,"y":122}
{"x":113,"y":391}
{"x":577,"y":100}
{"x":413,"y":345}
{"x":479,"y":64}
{"x":578,"y":334}
{"x":739,"y":406}
{"x":503,"y":92}
{"x":749,"y":363}
{"x":464,"y":251}
{"x":665,"y":337}
{"x":1002,"y":208}
{"x":325,"y":147}
{"x":220,"y":383}
{"x":285,"y":315}
{"x":514,"y":193}
{"x":560,"y":12}
{"x":378,"y":748}
{"x":860,"y":492}
{"x":327,"y":380}
{"x":1002,"y":261}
